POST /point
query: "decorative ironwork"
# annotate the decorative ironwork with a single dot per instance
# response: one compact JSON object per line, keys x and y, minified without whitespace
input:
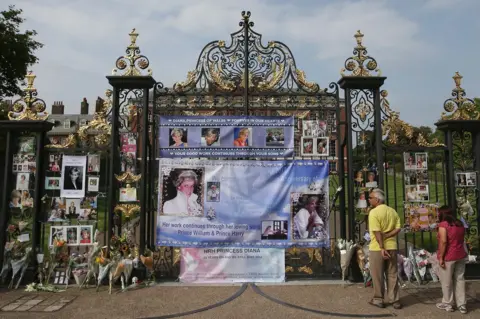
{"x":69,"y":142}
{"x":360,"y":64}
{"x":134,"y":63}
{"x":99,"y":125}
{"x":128,"y":177}
{"x":219,"y":79}
{"x":130,"y":102}
{"x":29,"y":106}
{"x":392,"y":126}
{"x":128,"y":210}
{"x":459,"y":107}
{"x":362,"y":110}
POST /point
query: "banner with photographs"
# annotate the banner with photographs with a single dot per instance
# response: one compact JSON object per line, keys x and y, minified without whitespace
{"x":64,"y":209}
{"x":243,"y":203}
{"x":421,"y":217}
{"x":72,"y":183}
{"x":416,"y":177}
{"x":226,"y":136}
{"x":314,"y":141}
{"x":232,"y":265}
{"x":73,"y":235}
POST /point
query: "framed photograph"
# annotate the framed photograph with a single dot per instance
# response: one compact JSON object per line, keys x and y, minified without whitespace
{"x":242,"y":136}
{"x":23,"y":180}
{"x":371,"y":180}
{"x":306,"y":146}
{"x":182,"y":192}
{"x":72,"y":235}
{"x":471,"y":178}
{"x":409,"y":161}
{"x":93,"y":183}
{"x":322,"y":146}
{"x":304,"y":208}
{"x":421,"y":160}
{"x":213,"y":191}
{"x":73,"y":177}
{"x":275,"y":137}
{"x":314,"y":128}
{"x":52,"y":183}
{"x":129,"y":142}
{"x":210,"y":137}
{"x":410,"y":177}
{"x":57,"y":211}
{"x":421,"y":217}
{"x":422,"y":177}
{"x":57,"y":232}
{"x":86,"y":235}
{"x":127,"y":161}
{"x":26,"y":145}
{"x":54,"y":163}
{"x":417,"y":193}
{"x":128,"y":194}
{"x":93,"y":163}
{"x":73,"y":210}
{"x":178,"y":137}
{"x":274,"y":229}
{"x":88,"y":202}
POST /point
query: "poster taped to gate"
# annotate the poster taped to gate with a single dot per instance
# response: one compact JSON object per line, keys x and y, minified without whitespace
{"x":226,"y":136}
{"x":232,"y":265}
{"x":266,"y":204}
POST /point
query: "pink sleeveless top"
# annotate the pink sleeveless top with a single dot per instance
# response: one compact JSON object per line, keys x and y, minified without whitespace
{"x":455,"y":242}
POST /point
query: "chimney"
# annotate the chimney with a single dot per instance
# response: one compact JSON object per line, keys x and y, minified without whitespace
{"x":58,"y":108}
{"x":84,"y":106}
{"x":99,"y":104}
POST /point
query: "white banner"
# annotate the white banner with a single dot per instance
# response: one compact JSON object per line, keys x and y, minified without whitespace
{"x":232,"y":265}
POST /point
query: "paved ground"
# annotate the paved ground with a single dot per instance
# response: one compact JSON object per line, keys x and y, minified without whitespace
{"x":300,"y":299}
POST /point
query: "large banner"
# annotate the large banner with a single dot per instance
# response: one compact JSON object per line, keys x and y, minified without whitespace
{"x":205,"y":203}
{"x":230,"y":265}
{"x":226,"y":136}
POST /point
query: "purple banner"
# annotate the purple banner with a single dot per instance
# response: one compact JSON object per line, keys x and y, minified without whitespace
{"x":226,"y":136}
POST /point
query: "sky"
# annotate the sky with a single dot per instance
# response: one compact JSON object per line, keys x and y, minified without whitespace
{"x":418,"y":44}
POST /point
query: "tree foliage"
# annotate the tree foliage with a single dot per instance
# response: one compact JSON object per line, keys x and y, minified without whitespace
{"x":17,"y":51}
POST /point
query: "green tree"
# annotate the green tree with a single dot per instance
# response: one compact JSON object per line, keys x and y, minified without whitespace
{"x":17,"y":51}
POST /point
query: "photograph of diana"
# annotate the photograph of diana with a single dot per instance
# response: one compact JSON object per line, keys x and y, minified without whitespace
{"x":178,"y":137}
{"x":307,"y":223}
{"x":210,"y":137}
{"x":213,"y":191}
{"x":241,"y":136}
{"x":182,"y":193}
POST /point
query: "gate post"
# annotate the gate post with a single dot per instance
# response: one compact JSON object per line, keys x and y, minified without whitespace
{"x":461,"y":126}
{"x":133,"y":84}
{"x":27,"y":115}
{"x":362,"y":97}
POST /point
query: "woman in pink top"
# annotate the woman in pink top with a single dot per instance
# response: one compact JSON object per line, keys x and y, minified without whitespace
{"x":451,"y":255}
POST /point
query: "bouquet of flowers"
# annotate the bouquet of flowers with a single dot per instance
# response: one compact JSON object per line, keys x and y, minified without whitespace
{"x":58,"y":255}
{"x":347,"y":249}
{"x":78,"y":266}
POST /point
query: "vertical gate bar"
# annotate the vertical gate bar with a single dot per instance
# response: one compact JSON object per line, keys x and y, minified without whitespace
{"x":435,"y":168}
{"x":114,"y":142}
{"x":144,"y":180}
{"x":7,"y":178}
{"x":341,"y":166}
{"x":394,"y":171}
{"x":450,"y":170}
{"x":246,"y":21}
{"x":378,"y":136}
{"x":383,"y":168}
{"x":39,"y":185}
{"x":476,"y":164}
{"x":350,"y":176}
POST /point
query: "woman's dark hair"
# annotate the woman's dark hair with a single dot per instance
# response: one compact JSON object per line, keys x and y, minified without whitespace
{"x":446,"y":214}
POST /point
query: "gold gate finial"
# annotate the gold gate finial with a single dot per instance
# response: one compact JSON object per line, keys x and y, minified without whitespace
{"x":133,"y":62}
{"x":459,"y":106}
{"x":29,"y":106}
{"x":360,"y":64}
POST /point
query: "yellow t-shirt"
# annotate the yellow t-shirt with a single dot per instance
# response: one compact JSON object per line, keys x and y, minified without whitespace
{"x":383,"y":219}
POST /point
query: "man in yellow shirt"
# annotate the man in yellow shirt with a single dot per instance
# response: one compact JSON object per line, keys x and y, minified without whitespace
{"x":384,"y":225}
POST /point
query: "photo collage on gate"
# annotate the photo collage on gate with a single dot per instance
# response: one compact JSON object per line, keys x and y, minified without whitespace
{"x":314,"y":140}
{"x":365,"y":180}
{"x":465,"y":179}
{"x":420,"y":215}
{"x":72,"y":184}
{"x":128,"y":156}
{"x":23,"y":168}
